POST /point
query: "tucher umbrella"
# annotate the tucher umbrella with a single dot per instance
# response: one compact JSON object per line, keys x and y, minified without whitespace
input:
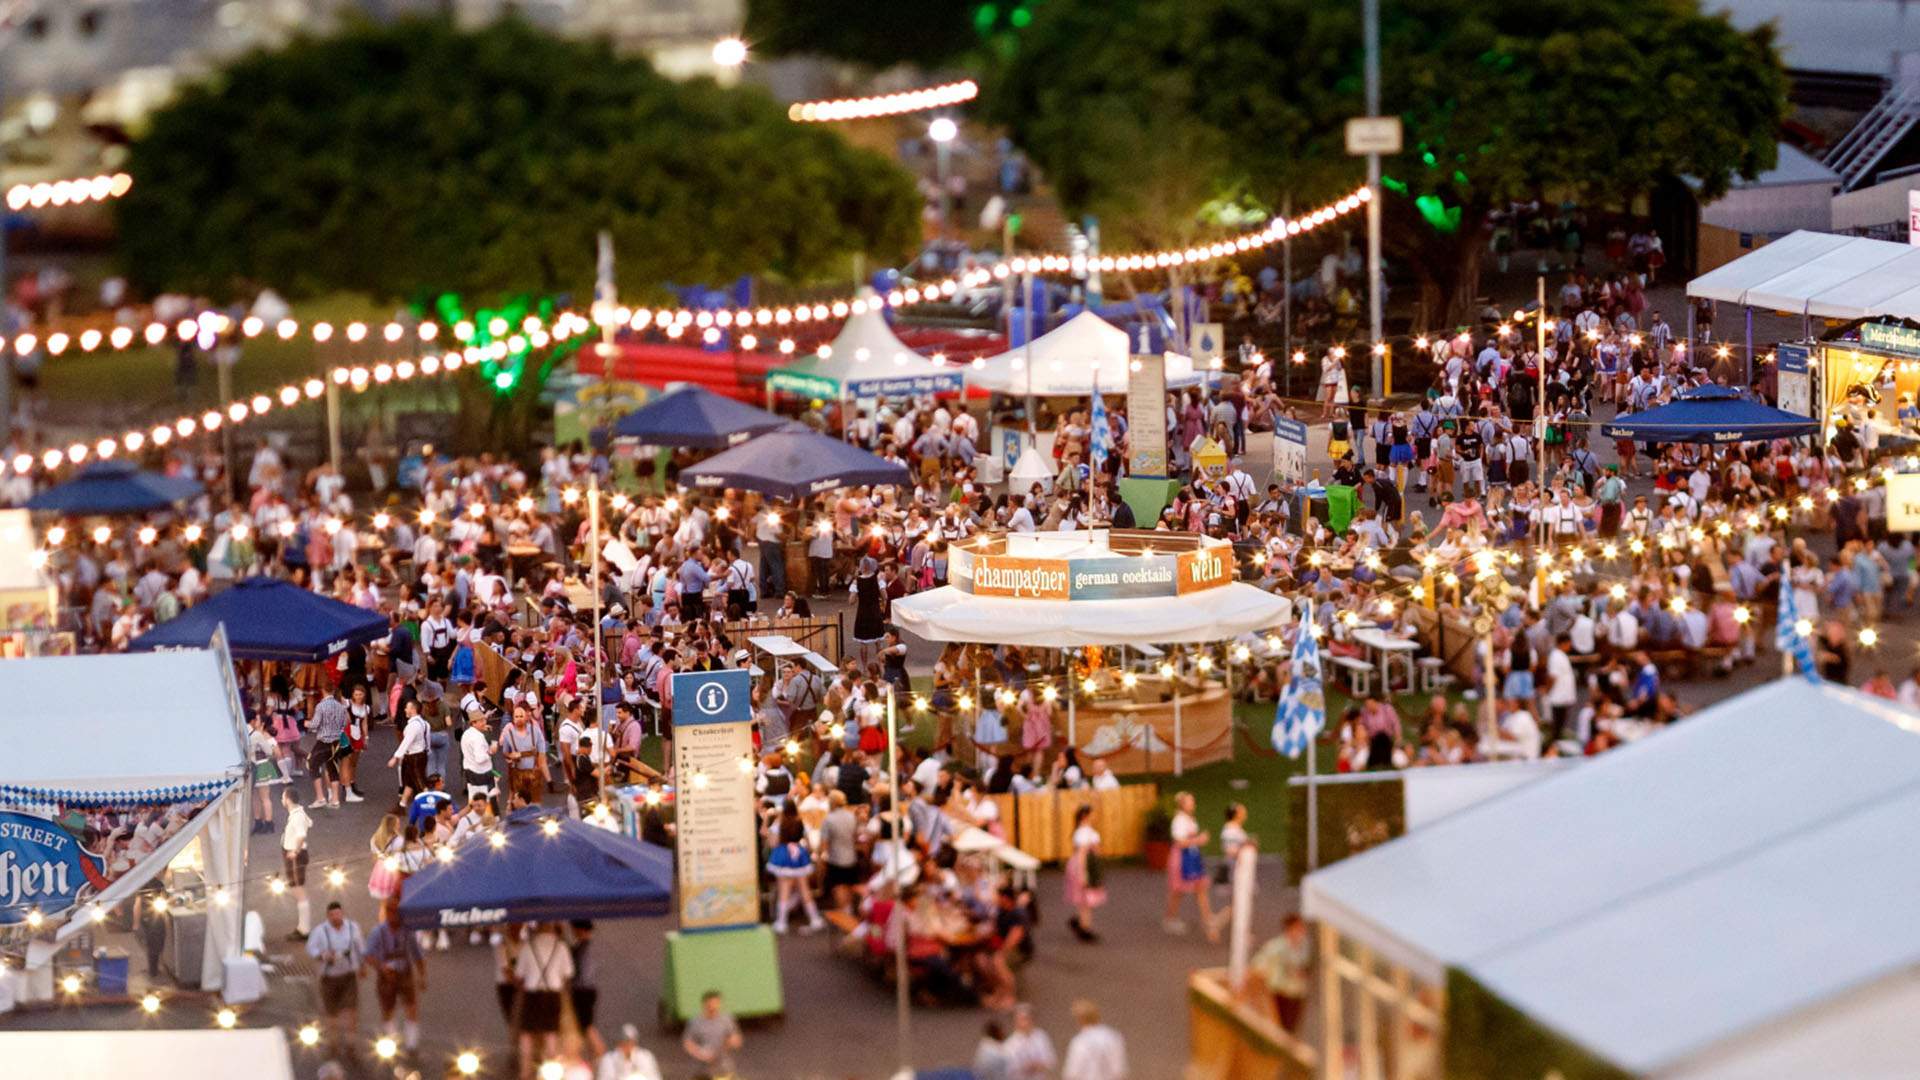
{"x":269,"y":619}
{"x":548,"y":867}
{"x":793,"y":463}
{"x":114,"y":487}
{"x":698,"y":418}
{"x":1710,"y":414}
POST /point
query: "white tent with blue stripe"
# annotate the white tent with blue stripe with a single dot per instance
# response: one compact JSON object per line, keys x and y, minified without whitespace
{"x":115,"y":768}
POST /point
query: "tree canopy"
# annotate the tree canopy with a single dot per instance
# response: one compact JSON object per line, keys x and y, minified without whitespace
{"x":923,"y":32}
{"x":1597,"y":100}
{"x":411,"y":156}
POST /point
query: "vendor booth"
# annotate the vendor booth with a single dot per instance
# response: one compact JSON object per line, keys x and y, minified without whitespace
{"x":1132,"y":588}
{"x":865,"y":360}
{"x":1569,"y":927}
{"x":122,"y":773}
{"x":1071,"y":360}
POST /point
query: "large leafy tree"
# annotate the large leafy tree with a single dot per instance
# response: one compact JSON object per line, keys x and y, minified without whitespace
{"x":1595,"y":100}
{"x":393,"y":159}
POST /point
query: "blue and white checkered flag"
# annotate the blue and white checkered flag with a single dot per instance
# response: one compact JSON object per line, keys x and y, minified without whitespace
{"x":1302,"y":709}
{"x":1787,"y":637}
{"x":1100,"y":439}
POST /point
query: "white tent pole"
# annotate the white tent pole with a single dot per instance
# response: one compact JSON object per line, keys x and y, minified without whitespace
{"x":1026,"y":301}
{"x":1073,"y":723}
{"x":1179,"y":767}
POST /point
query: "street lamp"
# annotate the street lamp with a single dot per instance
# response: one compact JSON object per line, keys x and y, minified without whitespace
{"x":942,"y":130}
{"x":730,"y":52}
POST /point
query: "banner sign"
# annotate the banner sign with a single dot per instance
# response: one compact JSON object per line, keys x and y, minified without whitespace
{"x":1119,"y":577}
{"x":1903,"y":502}
{"x":55,"y":860}
{"x":718,"y":858}
{"x":1290,"y":450}
{"x":1147,"y":416}
{"x":1795,"y":378}
{"x":808,"y":386}
{"x":1887,"y":337}
{"x":944,"y":382}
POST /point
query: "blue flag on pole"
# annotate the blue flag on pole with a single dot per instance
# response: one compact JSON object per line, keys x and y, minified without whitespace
{"x":1302,"y":709}
{"x":1100,"y":440}
{"x":1788,"y":639}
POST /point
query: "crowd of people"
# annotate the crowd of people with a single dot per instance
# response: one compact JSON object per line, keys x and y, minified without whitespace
{"x":1482,"y":510}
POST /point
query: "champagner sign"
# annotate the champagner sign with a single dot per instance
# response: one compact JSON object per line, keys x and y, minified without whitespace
{"x":713,"y":756}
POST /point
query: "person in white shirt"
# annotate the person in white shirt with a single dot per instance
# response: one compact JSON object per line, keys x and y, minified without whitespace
{"x":1096,"y":1052}
{"x":1029,"y":1049}
{"x":411,"y":754}
{"x":628,"y":1060}
{"x":1563,"y":686}
{"x":293,"y":853}
{"x":1623,"y":630}
{"x":1021,"y":520}
{"x":1101,"y":777}
{"x":336,"y":946}
{"x":1518,"y":737}
{"x":476,"y":756}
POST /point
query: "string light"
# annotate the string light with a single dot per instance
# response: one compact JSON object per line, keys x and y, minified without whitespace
{"x":226,"y":1018}
{"x":68,"y":192}
{"x":905,"y":101}
{"x":309,"y":1035}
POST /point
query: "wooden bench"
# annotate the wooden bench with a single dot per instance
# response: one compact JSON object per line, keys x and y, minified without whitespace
{"x":1434,"y":674}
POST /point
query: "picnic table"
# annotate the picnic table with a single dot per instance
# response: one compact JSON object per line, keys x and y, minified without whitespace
{"x":1388,"y":646}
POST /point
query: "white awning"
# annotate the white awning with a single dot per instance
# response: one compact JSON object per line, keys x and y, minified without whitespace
{"x":244,"y":1054}
{"x":119,"y":723}
{"x":1822,"y":275}
{"x":948,"y":614}
{"x":1672,"y":898}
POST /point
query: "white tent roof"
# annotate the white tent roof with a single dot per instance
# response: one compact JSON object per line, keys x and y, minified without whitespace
{"x":1820,"y":274}
{"x":866,"y":357}
{"x":116,"y":723}
{"x":1068,"y":360}
{"x":243,"y":1054}
{"x":16,"y":545}
{"x":1744,"y":866}
{"x":950,"y":614}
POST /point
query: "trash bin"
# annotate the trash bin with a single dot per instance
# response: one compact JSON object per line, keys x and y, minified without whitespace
{"x":189,"y":943}
{"x":110,"y":969}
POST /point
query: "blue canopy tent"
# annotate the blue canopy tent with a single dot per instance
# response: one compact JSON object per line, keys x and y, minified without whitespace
{"x":696,"y":417}
{"x":578,"y":871}
{"x":793,"y":463}
{"x":1710,"y":414}
{"x":115,"y":487}
{"x":269,"y":619}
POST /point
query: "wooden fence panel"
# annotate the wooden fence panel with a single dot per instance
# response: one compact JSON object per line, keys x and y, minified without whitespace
{"x":1041,"y":823}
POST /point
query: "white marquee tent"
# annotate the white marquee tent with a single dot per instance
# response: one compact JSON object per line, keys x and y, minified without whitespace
{"x":128,"y":730}
{"x":1068,"y":360}
{"x":246,"y":1054}
{"x":1820,"y":275}
{"x":866,"y":359}
{"x":1730,"y":897}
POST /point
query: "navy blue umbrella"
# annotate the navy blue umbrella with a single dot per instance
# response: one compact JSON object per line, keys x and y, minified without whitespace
{"x":577,"y":871}
{"x":1710,"y":414}
{"x":269,"y":619}
{"x":696,"y":417}
{"x":115,"y":487}
{"x":793,"y":463}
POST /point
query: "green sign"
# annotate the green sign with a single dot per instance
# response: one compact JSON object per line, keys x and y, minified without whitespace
{"x":1886,"y":337}
{"x":796,"y":382}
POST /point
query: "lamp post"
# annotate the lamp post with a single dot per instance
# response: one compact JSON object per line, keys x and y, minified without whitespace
{"x":942,"y":131}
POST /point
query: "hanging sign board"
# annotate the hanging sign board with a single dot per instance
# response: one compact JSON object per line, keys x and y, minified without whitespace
{"x":1290,"y":450}
{"x":1147,"y":415}
{"x":718,"y":862}
{"x":1903,"y":502}
{"x":1795,"y":378}
{"x":1373,"y":135}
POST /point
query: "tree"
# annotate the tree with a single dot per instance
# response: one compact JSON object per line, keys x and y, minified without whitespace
{"x":928,"y":33}
{"x":413,"y":156}
{"x":1594,"y":100}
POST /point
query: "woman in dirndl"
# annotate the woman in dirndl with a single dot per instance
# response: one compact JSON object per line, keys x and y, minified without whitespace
{"x":1036,"y":726}
{"x":869,"y":625}
{"x":791,"y":864}
{"x":1086,"y":888}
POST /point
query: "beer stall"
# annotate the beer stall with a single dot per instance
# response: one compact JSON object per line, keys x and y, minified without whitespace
{"x":1102,"y":603}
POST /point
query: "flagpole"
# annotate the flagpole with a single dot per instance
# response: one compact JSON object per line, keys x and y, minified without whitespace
{"x":1313,"y":786}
